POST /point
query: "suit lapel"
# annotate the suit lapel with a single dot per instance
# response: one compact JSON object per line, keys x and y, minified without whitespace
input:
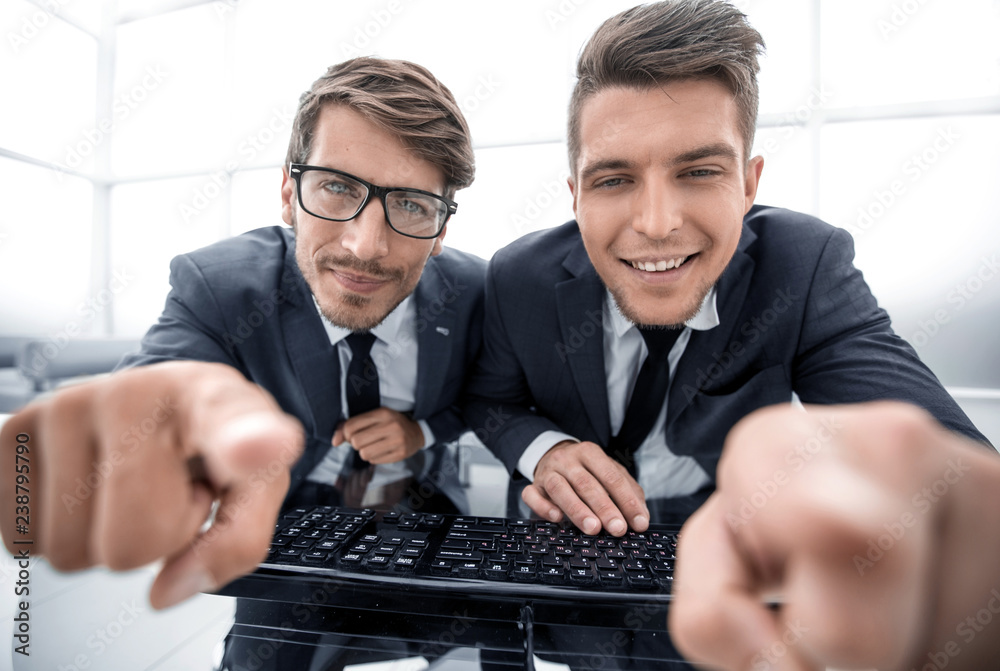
{"x":435,"y":339}
{"x":580,"y":303}
{"x":313,"y":358}
{"x":703,"y":346}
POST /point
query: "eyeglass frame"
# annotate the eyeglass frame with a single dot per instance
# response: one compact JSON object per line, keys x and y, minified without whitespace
{"x":296,"y":170}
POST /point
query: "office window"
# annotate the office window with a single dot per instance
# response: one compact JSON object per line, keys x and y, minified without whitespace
{"x":256,"y":200}
{"x":51,"y":65}
{"x":919,"y":196}
{"x":517,"y":190}
{"x":45,"y":254}
{"x":887,"y":52}
{"x":151,"y":223}
{"x":170,"y":96}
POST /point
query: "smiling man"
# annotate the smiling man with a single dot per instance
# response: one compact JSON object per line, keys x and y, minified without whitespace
{"x":621,"y":348}
{"x":281,"y":353}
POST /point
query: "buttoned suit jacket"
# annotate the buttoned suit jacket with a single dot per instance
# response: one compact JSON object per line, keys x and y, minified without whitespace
{"x":243,"y":302}
{"x":795,"y":316}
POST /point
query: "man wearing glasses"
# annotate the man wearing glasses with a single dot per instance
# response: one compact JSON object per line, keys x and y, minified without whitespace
{"x":350,"y":332}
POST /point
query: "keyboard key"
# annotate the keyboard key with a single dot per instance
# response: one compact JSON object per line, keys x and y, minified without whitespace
{"x":405,"y":562}
{"x":640,"y":580}
{"x":440,"y":566}
{"x":466,"y":569}
{"x":377,"y":561}
{"x":552,"y":575}
{"x":611,"y":578}
{"x":493,"y":573}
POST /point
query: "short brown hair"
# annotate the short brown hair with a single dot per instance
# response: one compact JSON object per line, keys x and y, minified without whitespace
{"x":402,"y":97}
{"x":674,"y":40}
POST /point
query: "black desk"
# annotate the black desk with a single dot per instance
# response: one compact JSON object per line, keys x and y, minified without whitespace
{"x":317,"y":625}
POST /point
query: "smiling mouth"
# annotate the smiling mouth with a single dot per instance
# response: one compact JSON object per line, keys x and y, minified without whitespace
{"x":660,"y":265}
{"x":360,"y":279}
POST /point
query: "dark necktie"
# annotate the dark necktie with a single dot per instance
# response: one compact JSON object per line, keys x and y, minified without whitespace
{"x":648,"y":396}
{"x":362,"y":380}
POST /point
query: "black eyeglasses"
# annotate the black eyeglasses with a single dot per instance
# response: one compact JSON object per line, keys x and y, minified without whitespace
{"x":337,"y":196}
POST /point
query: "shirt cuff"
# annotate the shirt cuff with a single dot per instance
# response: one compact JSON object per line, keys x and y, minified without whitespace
{"x":537,"y":449}
{"x":428,"y":434}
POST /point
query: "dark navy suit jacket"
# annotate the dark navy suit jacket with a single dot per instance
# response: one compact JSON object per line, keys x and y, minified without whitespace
{"x":796,"y":315}
{"x":244,"y":302}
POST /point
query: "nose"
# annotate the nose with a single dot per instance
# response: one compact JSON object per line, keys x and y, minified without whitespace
{"x":657,"y":211}
{"x":367,"y":235}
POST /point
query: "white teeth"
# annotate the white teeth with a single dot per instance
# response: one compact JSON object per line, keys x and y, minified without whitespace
{"x":659,"y":266}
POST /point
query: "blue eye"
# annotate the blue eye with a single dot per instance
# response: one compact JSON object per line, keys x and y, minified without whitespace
{"x":610,"y":183}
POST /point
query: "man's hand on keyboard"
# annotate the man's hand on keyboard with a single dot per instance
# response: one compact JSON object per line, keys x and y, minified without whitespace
{"x":124,"y":471}
{"x":877,"y":529}
{"x":591,"y":488}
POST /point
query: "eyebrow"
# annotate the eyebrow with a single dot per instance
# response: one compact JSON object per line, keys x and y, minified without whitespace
{"x":717,"y":150}
{"x":603,"y":166}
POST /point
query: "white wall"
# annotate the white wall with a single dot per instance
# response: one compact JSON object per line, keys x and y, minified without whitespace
{"x":131,"y":133}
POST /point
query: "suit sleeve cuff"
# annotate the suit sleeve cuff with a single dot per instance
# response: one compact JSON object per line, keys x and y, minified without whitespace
{"x":428,"y":433}
{"x":537,"y":449}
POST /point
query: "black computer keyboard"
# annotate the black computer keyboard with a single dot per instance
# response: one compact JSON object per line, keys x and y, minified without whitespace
{"x":520,"y":558}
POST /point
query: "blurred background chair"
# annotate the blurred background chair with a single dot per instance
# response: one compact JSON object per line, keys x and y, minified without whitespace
{"x":31,"y":366}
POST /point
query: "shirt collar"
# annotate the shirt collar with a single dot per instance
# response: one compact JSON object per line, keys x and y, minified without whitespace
{"x":387,"y":331}
{"x":706,"y":319}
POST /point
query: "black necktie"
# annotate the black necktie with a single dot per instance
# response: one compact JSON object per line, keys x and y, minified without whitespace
{"x":648,"y":395}
{"x":362,"y":380}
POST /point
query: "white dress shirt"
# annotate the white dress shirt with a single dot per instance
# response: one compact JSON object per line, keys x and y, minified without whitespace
{"x":394,"y":353}
{"x":661,"y":473}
